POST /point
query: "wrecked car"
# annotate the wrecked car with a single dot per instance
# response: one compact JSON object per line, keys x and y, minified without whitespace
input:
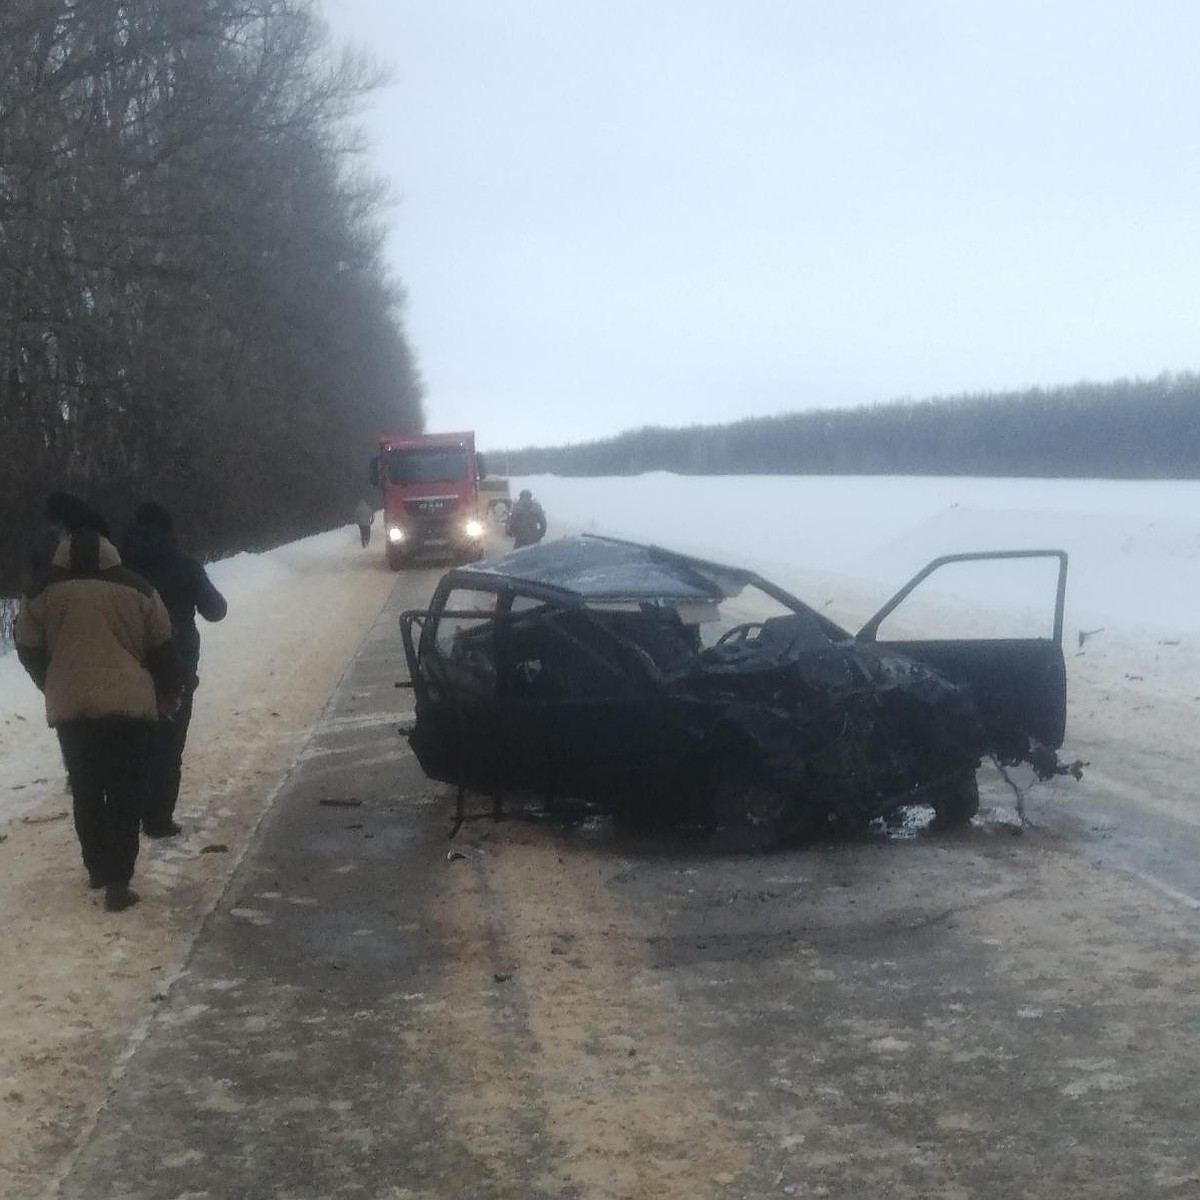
{"x":667,"y":689}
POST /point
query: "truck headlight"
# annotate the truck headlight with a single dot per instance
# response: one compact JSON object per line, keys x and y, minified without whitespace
{"x":474,"y":529}
{"x":395,"y":533}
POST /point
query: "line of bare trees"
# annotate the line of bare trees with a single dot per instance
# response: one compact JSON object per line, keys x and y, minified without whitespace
{"x":1140,"y":429}
{"x":193,"y":305}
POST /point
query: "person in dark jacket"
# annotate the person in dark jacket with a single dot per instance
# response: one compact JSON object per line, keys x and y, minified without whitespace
{"x":527,"y":522}
{"x":149,"y":548}
{"x":96,"y":639}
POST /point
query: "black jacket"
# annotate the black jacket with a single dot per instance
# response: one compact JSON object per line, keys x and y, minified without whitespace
{"x":526,"y":523}
{"x":182,"y":583}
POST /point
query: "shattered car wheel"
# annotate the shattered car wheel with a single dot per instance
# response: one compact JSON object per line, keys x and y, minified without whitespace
{"x":747,"y":811}
{"x":956,"y":801}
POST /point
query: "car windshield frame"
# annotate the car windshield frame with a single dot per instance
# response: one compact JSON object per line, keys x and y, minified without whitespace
{"x":611,"y":573}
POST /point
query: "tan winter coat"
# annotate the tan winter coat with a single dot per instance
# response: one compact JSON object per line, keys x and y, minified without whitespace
{"x":96,"y":638}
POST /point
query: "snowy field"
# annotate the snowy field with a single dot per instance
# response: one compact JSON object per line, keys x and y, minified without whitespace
{"x":841,"y":544}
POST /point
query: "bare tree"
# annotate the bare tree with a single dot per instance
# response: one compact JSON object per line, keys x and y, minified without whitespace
{"x":192,"y":297}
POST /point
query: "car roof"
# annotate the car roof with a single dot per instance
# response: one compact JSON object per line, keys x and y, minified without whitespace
{"x":596,"y":569}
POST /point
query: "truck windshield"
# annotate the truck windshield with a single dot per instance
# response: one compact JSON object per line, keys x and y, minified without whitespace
{"x":435,"y":464}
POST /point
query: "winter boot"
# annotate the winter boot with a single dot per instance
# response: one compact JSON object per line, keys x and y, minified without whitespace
{"x":119,"y":896}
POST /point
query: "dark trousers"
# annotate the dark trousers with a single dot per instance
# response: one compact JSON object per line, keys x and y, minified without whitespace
{"x":364,"y":532}
{"x":164,"y":765}
{"x":105,"y":760}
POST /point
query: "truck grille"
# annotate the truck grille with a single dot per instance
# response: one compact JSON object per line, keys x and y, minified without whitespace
{"x":431,"y":506}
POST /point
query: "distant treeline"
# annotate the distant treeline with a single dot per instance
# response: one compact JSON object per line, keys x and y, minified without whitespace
{"x":1143,"y":429}
{"x":192,"y":301}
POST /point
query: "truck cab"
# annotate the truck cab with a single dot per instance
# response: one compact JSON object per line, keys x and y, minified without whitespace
{"x":430,"y":485}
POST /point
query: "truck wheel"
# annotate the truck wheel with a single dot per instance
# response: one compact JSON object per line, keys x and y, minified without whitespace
{"x":395,"y":558}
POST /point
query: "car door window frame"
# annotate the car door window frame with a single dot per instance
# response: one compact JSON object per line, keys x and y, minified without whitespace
{"x":870,"y":631}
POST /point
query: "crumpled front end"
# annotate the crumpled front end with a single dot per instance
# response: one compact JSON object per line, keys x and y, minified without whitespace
{"x":847,"y":733}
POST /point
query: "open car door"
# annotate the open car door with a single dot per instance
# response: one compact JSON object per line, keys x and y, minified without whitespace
{"x":1018,"y":683}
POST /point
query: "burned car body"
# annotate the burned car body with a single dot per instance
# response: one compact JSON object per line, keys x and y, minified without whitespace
{"x":666,"y":688}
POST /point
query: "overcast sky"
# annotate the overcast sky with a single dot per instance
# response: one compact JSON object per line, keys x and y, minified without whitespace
{"x":614,"y":213}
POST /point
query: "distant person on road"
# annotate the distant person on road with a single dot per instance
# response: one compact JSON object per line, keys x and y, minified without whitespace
{"x":527,"y":522}
{"x":364,"y":518}
{"x":96,"y":639}
{"x":149,"y":548}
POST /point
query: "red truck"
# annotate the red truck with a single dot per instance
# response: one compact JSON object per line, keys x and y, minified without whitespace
{"x":430,"y":485}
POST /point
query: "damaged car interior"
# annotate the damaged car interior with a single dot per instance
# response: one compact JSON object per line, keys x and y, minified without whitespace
{"x":669,"y":691}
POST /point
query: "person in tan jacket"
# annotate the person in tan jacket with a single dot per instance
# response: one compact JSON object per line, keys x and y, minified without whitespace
{"x":96,"y":639}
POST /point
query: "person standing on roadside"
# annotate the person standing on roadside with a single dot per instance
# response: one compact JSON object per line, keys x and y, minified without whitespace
{"x":364,"y":518}
{"x":96,"y":640}
{"x":149,"y":548}
{"x":527,"y":521}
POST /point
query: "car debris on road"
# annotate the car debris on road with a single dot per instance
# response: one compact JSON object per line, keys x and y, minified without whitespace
{"x":670,"y":690}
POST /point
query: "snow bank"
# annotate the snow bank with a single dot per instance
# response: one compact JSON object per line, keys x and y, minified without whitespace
{"x":30,"y":770}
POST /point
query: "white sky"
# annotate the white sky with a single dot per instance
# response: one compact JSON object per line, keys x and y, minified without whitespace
{"x":617,"y":213}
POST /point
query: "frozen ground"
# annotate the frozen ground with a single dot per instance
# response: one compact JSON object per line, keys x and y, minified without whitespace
{"x":74,"y":978}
